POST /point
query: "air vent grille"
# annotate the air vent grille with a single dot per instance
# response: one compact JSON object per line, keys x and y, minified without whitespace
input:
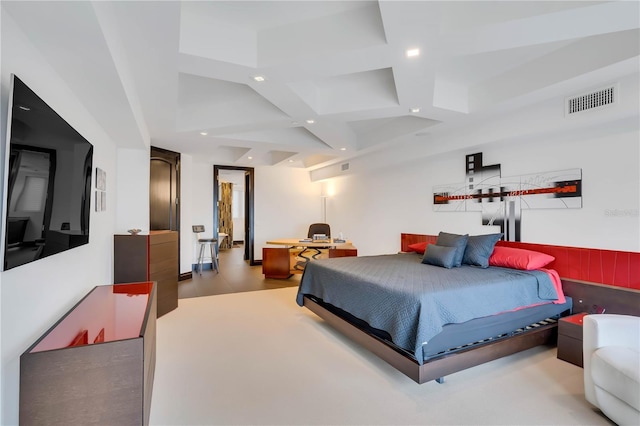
{"x":344,"y":167}
{"x":592,"y":100}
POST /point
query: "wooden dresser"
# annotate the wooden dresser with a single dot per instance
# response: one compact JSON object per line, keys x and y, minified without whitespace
{"x":96,"y":365}
{"x":152,"y":257}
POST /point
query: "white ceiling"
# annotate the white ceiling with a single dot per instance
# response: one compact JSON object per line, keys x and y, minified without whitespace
{"x":166,"y":71}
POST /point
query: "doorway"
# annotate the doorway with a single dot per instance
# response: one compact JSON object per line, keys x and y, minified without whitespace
{"x":248,"y":206}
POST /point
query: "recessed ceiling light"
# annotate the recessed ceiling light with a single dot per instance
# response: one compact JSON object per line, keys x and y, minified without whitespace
{"x":258,"y":78}
{"x":343,"y":149}
{"x":413,"y":52}
{"x":291,"y":161}
{"x":250,"y":158}
{"x":204,"y":133}
{"x":415,"y":110}
{"x":311,"y":121}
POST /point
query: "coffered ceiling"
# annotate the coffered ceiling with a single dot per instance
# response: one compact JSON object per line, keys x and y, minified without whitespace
{"x":337,"y":81}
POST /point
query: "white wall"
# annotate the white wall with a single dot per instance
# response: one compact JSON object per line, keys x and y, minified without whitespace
{"x":34,"y":296}
{"x":386,"y":196}
{"x":286,"y":203}
{"x":132,"y":174}
{"x":201,"y":205}
{"x":610,"y":182}
{"x":237,"y":204}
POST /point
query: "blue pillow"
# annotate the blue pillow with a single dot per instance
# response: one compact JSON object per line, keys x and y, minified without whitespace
{"x":440,"y":256}
{"x":454,"y":240}
{"x":479,"y":249}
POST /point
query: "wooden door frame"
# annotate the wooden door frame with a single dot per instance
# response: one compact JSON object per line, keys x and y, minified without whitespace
{"x":249,"y":206}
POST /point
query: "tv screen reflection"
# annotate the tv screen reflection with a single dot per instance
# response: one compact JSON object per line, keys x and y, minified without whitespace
{"x":49,"y":181}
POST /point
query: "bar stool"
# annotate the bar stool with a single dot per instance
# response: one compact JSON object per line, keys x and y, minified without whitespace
{"x":203,"y":242}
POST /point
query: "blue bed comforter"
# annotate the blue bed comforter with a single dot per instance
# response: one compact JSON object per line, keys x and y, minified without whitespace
{"x":413,"y":301}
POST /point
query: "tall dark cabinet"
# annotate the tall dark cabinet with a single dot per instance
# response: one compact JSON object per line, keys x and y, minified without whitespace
{"x":152,"y":257}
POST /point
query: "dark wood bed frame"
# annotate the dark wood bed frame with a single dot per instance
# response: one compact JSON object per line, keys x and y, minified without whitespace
{"x":615,"y":298}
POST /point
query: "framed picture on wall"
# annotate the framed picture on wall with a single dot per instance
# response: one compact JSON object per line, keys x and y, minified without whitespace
{"x":101,"y":179}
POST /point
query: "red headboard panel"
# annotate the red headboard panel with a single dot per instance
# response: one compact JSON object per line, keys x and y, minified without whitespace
{"x":407,"y":239}
{"x":611,"y":267}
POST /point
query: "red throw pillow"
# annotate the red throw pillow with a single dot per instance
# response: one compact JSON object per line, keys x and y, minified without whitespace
{"x":418,"y":247}
{"x":510,"y":257}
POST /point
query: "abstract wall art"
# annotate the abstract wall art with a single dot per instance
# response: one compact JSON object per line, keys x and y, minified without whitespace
{"x":502,"y":199}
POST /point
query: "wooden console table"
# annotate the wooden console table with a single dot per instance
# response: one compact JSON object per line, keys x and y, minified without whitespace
{"x":281,"y":262}
{"x":96,"y":364}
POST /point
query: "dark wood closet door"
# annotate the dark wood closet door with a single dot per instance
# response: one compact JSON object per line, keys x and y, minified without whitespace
{"x":163,"y":190}
{"x":160,"y":195}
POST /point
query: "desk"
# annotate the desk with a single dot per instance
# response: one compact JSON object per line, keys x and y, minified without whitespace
{"x":284,"y":262}
{"x":296,"y":242}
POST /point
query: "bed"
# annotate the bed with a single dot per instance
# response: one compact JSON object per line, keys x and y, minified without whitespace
{"x":429,"y":321}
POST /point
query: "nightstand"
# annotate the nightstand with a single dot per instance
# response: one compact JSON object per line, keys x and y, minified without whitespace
{"x":570,"y":338}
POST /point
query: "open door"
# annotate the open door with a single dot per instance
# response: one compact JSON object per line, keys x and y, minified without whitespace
{"x":248,"y":205}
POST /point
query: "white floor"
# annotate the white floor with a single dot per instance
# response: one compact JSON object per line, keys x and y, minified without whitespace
{"x":258,"y":358}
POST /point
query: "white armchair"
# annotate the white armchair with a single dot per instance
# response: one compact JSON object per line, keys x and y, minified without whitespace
{"x":611,"y":349}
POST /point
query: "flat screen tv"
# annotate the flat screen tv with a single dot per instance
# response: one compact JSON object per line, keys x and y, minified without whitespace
{"x":48,"y":173}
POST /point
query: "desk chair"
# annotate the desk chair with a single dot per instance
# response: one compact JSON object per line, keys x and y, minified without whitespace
{"x":203,"y":242}
{"x":319,"y":228}
{"x":314,"y":228}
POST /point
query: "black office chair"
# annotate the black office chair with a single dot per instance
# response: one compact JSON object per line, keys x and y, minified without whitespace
{"x":314,"y":228}
{"x":319,"y":228}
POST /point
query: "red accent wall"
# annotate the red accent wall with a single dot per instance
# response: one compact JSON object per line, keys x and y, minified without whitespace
{"x":610,"y":267}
